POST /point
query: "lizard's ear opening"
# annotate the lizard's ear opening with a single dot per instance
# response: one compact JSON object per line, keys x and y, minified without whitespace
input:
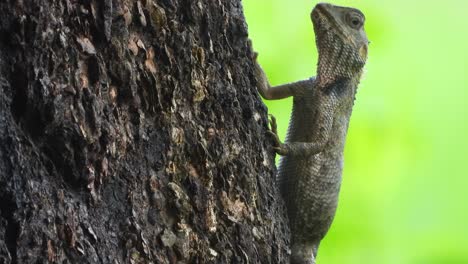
{"x":363,"y":52}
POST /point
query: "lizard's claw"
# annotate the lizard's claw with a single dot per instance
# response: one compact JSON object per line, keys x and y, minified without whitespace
{"x":279,"y":147}
{"x":275,"y":138}
{"x":273,"y":125}
{"x":250,"y":47}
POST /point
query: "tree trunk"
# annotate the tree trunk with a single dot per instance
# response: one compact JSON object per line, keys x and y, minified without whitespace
{"x":132,"y":132}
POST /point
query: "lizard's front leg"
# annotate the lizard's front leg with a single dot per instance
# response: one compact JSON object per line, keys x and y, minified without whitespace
{"x":276,"y":92}
{"x":280,"y":91}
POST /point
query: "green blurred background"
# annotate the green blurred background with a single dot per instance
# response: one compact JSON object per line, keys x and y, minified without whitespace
{"x":404,"y":197}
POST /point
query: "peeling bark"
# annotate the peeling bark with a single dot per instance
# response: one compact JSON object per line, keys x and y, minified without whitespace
{"x":131,"y":132}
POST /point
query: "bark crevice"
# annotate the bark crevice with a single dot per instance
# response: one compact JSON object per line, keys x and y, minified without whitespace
{"x":136,"y":135}
{"x":12,"y":227}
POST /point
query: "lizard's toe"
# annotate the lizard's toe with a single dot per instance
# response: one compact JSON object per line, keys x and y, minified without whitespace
{"x":281,"y":150}
{"x":275,"y":137}
{"x":273,"y":125}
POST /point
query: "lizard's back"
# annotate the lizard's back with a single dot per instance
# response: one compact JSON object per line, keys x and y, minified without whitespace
{"x":310,"y":184}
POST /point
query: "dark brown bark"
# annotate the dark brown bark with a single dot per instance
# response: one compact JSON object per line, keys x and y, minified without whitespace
{"x":131,"y":132}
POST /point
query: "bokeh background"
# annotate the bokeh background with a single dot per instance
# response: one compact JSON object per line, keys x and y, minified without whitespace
{"x":404,"y":196}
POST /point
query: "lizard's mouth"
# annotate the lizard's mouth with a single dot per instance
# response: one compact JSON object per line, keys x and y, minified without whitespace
{"x":323,"y":20}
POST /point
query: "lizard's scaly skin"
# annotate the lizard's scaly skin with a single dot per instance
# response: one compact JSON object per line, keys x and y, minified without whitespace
{"x":310,"y":184}
{"x":309,"y":173}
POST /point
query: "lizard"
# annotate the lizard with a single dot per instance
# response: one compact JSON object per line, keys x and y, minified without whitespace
{"x":310,"y":168}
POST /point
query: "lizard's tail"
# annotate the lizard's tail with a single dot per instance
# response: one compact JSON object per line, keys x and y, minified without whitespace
{"x":303,"y":253}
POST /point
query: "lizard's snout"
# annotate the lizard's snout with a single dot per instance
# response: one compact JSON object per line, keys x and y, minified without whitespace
{"x":320,"y":8}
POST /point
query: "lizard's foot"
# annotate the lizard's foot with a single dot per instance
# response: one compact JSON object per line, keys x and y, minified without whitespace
{"x":279,"y":147}
{"x":252,"y":51}
{"x":273,"y":125}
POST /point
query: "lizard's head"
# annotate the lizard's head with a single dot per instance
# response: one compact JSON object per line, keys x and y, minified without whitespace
{"x":341,"y":41}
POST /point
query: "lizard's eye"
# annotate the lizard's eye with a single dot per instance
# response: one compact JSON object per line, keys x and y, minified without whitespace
{"x":355,"y":20}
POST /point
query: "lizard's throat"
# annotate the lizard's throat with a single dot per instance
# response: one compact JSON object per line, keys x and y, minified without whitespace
{"x":337,"y":60}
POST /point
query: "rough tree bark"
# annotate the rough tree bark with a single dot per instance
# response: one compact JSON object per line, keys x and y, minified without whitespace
{"x":131,"y":132}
